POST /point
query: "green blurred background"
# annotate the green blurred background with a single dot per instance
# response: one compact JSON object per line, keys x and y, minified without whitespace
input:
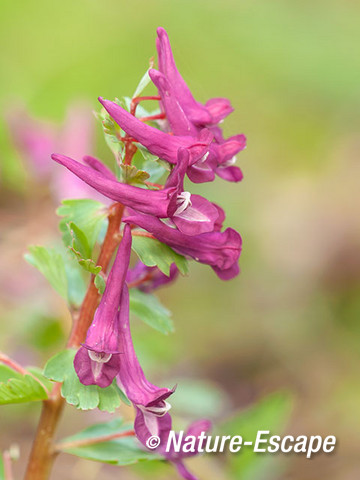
{"x":290,"y":321}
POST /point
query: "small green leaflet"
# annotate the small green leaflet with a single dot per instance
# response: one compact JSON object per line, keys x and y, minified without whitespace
{"x":120,"y":451}
{"x":81,"y":249}
{"x":89,"y":216}
{"x":154,"y":253}
{"x":149,"y":309}
{"x":79,"y":244}
{"x":100,"y":283}
{"x":144,"y":82}
{"x":60,"y":368}
{"x":17,"y":388}
{"x":111,"y":133}
{"x":130,"y":174}
{"x":50,"y":263}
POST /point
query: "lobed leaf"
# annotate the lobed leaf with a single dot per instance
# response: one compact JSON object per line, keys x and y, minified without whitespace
{"x":21,"y":389}
{"x":60,"y":368}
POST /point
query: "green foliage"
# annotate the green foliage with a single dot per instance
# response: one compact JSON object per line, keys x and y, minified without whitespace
{"x":81,"y":249}
{"x":17,"y":388}
{"x":271,"y":413}
{"x":100,"y":283}
{"x":51,"y":265}
{"x":2,"y":472}
{"x":87,"y":214}
{"x":155,"y":167}
{"x":154,"y":253}
{"x":120,"y":451}
{"x":60,"y":368}
{"x":112,"y":132}
{"x":149,"y":309}
{"x":144,"y":82}
{"x":79,"y":243}
{"x":130,"y":174}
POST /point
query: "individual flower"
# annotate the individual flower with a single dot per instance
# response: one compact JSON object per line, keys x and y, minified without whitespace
{"x":191,"y":214}
{"x":150,"y":401}
{"x":200,"y":115}
{"x":148,"y":279}
{"x":220,"y":250}
{"x":158,"y":143}
{"x":97,"y":362}
{"x":36,"y":140}
{"x":222,"y":153}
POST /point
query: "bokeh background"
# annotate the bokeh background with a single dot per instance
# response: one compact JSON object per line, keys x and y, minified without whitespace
{"x":290,"y":321}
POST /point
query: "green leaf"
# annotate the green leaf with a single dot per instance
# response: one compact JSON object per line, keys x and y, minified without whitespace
{"x":144,"y":82}
{"x":60,"y":368}
{"x":149,"y":309}
{"x":155,"y":167}
{"x":271,"y":413}
{"x":21,"y":389}
{"x":51,"y":265}
{"x":120,"y":451}
{"x":154,"y":253}
{"x":90,"y":266}
{"x":130,"y":174}
{"x":100,"y":284}
{"x":89,"y":216}
{"x":79,"y":243}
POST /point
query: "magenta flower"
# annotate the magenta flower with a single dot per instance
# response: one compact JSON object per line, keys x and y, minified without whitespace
{"x":152,"y":417}
{"x":215,"y":109}
{"x":220,"y":250}
{"x":97,"y":362}
{"x":150,"y":278}
{"x":222,"y":152}
{"x":163,"y":145}
{"x":192,"y":214}
{"x":154,"y":202}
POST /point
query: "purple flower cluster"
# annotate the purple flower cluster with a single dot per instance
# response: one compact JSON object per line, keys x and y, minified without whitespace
{"x":192,"y":142}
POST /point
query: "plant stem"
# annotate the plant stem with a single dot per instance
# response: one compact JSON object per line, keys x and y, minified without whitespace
{"x":43,"y":452}
{"x":91,"y":441}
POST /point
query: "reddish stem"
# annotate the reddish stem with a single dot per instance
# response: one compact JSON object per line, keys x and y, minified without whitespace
{"x":159,"y":116}
{"x":91,"y":441}
{"x":135,"y":102}
{"x":43,"y":452}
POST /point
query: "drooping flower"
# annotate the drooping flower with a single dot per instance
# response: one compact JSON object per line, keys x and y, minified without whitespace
{"x":97,"y":362}
{"x":150,"y":401}
{"x":192,"y":214}
{"x":220,"y":250}
{"x":148,"y":279}
{"x":163,"y":145}
{"x":222,"y":152}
